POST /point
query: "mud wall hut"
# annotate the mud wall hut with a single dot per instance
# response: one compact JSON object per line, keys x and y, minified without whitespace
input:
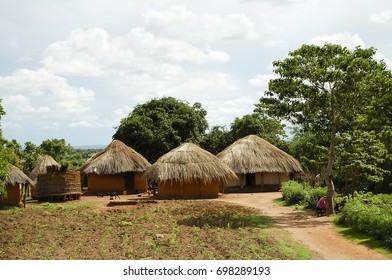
{"x":117,"y":168}
{"x":259,"y":165}
{"x":189,"y":171}
{"x":16,"y":185}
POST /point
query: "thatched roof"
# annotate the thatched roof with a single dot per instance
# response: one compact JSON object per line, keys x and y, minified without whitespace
{"x":188,"y":163}
{"x":16,"y":176}
{"x":253,"y":154}
{"x":114,"y":159}
{"x":42,"y":165}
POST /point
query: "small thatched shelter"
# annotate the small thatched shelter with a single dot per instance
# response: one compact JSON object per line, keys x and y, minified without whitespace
{"x":16,"y":185}
{"x":259,"y":165}
{"x":59,"y":184}
{"x":117,"y":168}
{"x":41,"y":167}
{"x":43,"y":164}
{"x":189,"y":171}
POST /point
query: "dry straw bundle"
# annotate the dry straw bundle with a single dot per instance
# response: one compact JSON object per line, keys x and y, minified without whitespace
{"x":114,"y":159}
{"x":189,"y":163}
{"x":253,"y":154}
{"x":42,"y":165}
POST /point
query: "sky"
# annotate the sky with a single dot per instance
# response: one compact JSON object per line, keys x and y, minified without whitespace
{"x":73,"y":69}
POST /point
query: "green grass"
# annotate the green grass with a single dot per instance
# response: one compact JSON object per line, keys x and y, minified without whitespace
{"x":282,"y":202}
{"x":363,"y":239}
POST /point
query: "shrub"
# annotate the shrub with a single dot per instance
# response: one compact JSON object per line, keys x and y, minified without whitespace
{"x":312,"y":195}
{"x":296,"y":193}
{"x":370,"y":214}
{"x":293,"y":192}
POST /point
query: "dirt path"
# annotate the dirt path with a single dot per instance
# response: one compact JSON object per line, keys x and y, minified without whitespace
{"x":317,"y":233}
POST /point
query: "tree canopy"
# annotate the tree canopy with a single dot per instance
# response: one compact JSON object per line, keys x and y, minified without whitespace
{"x":324,"y":89}
{"x":158,"y":126}
{"x":3,"y":159}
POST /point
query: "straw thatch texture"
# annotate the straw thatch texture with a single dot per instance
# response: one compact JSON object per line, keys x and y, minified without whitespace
{"x":15,"y":183}
{"x":16,"y":177}
{"x":114,"y":159}
{"x":189,"y":163}
{"x":58,"y":183}
{"x":253,"y":154}
{"x":43,"y":164}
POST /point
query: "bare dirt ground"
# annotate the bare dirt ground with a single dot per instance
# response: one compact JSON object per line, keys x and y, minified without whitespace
{"x":317,"y":233}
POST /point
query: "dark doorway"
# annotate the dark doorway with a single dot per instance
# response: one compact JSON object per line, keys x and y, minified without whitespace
{"x":251,"y":179}
{"x":129,"y":182}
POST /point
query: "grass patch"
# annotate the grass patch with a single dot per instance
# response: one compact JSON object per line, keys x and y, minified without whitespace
{"x":282,"y":202}
{"x":185,"y":229}
{"x":364,"y":239}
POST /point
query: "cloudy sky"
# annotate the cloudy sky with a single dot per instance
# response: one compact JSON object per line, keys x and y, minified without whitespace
{"x":73,"y":68}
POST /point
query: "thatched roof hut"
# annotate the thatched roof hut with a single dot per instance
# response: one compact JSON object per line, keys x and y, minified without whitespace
{"x":259,"y":163}
{"x":43,"y":164}
{"x":15,"y":183}
{"x":116,"y":168}
{"x":187,"y":171}
{"x":16,"y":176}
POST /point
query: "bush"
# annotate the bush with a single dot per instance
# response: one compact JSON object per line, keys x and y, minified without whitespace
{"x":296,"y":193}
{"x":371,"y":215}
{"x":312,"y":196}
{"x":293,"y":192}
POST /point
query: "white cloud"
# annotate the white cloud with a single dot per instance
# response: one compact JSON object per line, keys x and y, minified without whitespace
{"x":345,"y":39}
{"x":276,"y":43}
{"x":93,"y":52}
{"x":382,"y":17}
{"x":21,"y":104}
{"x":178,"y":21}
{"x":261,"y":80}
{"x":55,"y":96}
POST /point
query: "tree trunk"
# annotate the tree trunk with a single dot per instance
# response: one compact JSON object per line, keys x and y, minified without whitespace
{"x":330,"y":185}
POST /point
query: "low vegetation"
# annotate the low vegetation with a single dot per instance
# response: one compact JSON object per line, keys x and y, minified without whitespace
{"x":364,"y":213}
{"x":369,"y":214}
{"x":158,"y":230}
{"x":295,"y":193}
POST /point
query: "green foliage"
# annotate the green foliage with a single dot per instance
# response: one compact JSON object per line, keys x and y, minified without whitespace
{"x":30,"y":155}
{"x":258,"y":124}
{"x":58,"y":149}
{"x":360,"y":156}
{"x":311,"y":150}
{"x":216,"y":140}
{"x":370,"y":214}
{"x":157,"y":126}
{"x":3,"y":158}
{"x":294,"y":193}
{"x":3,"y":172}
{"x":329,"y":90}
{"x":313,"y":195}
{"x":61,"y":151}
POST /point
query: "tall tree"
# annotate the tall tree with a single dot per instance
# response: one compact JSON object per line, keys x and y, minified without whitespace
{"x":30,"y":155}
{"x":3,"y":159}
{"x":159,"y":125}
{"x":217,"y":139}
{"x":258,"y":124}
{"x":360,"y":156}
{"x":323,"y":87}
{"x":59,"y":149}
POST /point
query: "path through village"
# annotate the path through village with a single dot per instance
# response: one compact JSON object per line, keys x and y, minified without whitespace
{"x":317,"y":233}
